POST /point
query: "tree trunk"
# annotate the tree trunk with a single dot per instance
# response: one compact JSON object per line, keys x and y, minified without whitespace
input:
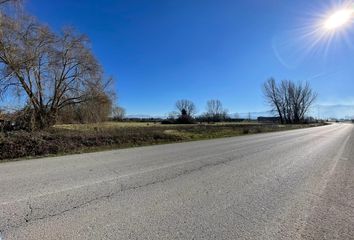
{"x":44,"y":118}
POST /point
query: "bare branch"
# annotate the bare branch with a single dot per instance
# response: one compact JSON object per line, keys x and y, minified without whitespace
{"x":53,"y":70}
{"x":289,"y":100}
{"x":186,"y":106}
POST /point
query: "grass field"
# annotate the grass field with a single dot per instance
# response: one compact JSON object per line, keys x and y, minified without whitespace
{"x":78,"y":138}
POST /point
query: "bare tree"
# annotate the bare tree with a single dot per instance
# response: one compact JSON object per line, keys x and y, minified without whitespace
{"x":118,"y":113}
{"x":214,"y":107}
{"x":289,"y":100}
{"x":273,"y":97}
{"x":53,"y":70}
{"x":215,"y":111}
{"x":186,"y":107}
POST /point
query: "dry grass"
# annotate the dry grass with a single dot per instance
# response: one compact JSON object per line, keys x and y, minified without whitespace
{"x":114,"y":125}
{"x":105,"y":125}
{"x":77,"y":138}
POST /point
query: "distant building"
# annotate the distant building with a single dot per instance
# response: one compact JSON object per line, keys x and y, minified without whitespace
{"x":269,"y":119}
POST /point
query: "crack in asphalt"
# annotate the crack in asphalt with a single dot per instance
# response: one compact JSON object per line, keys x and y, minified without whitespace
{"x":28,"y":218}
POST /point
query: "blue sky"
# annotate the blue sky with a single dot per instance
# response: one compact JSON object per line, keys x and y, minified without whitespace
{"x":160,"y":51}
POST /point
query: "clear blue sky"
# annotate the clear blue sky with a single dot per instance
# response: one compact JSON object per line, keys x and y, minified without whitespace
{"x":160,"y":51}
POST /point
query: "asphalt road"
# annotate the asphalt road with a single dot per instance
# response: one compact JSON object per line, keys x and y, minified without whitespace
{"x":287,"y":185}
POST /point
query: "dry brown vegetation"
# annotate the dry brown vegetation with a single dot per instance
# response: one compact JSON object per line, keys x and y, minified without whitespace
{"x":78,"y":138}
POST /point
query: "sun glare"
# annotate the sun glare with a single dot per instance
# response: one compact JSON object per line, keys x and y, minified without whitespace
{"x":324,"y":27}
{"x":338,"y":19}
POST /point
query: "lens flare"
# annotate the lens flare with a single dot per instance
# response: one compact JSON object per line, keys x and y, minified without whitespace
{"x":320,"y":30}
{"x":338,"y":19}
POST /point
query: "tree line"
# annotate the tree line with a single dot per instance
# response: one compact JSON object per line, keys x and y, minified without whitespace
{"x":186,"y":112}
{"x":289,"y":102}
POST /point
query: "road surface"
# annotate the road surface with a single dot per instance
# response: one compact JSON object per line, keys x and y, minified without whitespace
{"x":287,"y":185}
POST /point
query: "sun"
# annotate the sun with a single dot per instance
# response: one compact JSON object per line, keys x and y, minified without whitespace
{"x":322,"y":29}
{"x":338,"y":19}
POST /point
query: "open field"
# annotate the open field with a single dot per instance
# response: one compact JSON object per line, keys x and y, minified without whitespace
{"x":110,"y":125}
{"x":78,"y":138}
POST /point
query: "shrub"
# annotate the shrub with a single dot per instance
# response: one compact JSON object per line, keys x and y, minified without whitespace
{"x":246,"y":131}
{"x":168,"y":121}
{"x":17,"y":144}
{"x":185,"y":119}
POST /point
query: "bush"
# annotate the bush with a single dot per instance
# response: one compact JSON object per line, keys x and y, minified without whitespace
{"x":168,"y":121}
{"x":246,"y":131}
{"x":18,"y":120}
{"x":185,"y":119}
